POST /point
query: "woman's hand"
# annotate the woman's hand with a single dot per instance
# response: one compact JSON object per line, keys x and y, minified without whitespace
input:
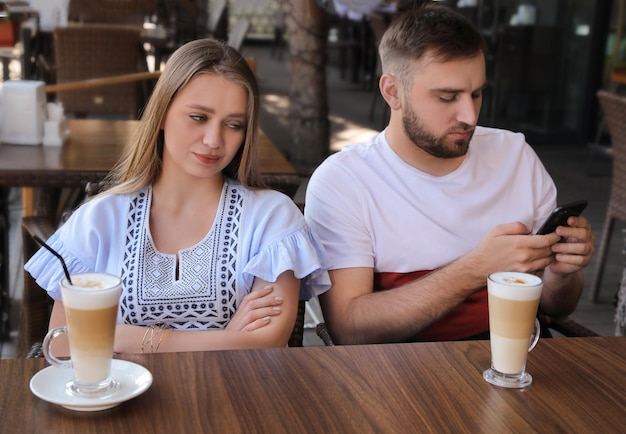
{"x":256,"y":310}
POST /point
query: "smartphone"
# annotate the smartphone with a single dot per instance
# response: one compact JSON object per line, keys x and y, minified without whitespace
{"x":559,"y":216}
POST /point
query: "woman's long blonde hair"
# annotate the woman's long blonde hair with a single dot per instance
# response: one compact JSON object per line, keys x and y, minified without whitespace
{"x":142,"y":159}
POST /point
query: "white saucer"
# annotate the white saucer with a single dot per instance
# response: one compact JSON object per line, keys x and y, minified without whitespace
{"x":49,"y":385}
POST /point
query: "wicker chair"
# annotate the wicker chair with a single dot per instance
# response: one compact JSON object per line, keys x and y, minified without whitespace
{"x":111,"y":11}
{"x":96,"y":51}
{"x":36,"y":304}
{"x":297,"y":334}
{"x":286,"y":184}
{"x":614,"y":107}
{"x":620,"y":311}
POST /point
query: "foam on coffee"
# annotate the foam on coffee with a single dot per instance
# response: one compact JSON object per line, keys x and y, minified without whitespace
{"x":529,"y":286}
{"x":91,"y":285}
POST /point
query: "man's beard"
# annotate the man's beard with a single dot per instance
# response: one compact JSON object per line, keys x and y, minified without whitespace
{"x":435,"y":146}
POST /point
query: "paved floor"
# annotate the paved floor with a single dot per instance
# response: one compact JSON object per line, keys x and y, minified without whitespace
{"x":349,"y":113}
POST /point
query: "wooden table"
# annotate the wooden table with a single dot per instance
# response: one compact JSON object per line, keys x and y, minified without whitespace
{"x":579,"y":386}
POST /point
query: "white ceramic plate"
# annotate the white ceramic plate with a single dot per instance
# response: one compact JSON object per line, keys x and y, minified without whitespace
{"x":49,"y":385}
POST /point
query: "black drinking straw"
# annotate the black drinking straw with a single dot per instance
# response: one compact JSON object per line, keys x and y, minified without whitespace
{"x":51,"y":250}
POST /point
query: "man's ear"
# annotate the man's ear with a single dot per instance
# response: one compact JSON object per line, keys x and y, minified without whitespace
{"x":390,"y":90}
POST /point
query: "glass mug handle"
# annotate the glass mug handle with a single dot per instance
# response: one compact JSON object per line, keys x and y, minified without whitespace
{"x":534,"y":337}
{"x":47,"y":341}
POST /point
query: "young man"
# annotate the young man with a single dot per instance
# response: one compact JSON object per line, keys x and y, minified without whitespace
{"x":416,"y":220}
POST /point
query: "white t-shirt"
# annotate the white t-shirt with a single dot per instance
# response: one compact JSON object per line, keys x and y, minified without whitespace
{"x":371,"y":209}
{"x":257,"y":233}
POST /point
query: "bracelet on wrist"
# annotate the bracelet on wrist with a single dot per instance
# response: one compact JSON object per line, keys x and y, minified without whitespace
{"x":153,"y":337}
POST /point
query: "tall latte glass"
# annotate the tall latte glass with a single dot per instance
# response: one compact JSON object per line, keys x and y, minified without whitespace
{"x":91,"y":305}
{"x":514,"y":329}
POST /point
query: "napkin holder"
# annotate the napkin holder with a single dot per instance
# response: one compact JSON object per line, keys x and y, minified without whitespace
{"x":55,"y":131}
{"x":23,"y":112}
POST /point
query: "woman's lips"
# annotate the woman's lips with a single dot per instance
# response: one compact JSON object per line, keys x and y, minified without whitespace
{"x":207,"y":159}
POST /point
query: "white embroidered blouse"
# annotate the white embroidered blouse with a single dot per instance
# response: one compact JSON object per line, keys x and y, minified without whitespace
{"x":255,"y":233}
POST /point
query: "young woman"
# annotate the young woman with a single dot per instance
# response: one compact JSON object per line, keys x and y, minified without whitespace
{"x":209,"y":258}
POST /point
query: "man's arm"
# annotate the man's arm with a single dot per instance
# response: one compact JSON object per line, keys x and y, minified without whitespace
{"x":356,"y":314}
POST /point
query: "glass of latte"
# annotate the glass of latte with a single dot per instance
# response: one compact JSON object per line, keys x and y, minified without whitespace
{"x":91,"y":304}
{"x":513,"y":326}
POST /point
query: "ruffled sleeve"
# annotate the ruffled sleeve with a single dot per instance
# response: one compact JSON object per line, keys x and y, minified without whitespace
{"x":47,"y":269}
{"x":281,"y":241}
{"x":89,"y":241}
{"x":300,"y":252}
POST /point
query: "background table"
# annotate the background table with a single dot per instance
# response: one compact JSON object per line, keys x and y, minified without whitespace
{"x":397,"y":388}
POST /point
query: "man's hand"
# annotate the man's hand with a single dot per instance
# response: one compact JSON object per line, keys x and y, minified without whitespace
{"x":510,"y":247}
{"x":576,"y":247}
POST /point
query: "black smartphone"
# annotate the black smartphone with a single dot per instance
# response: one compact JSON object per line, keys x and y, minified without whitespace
{"x":559,"y":216}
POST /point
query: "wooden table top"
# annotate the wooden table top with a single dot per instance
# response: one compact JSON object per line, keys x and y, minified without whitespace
{"x":579,"y":386}
{"x":91,"y":151}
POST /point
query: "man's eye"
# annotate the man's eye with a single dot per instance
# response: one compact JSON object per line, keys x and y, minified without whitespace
{"x":447,"y":99}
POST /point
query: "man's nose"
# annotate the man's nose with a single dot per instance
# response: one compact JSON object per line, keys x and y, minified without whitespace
{"x":469,"y":109}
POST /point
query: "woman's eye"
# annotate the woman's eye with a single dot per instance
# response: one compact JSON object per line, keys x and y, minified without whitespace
{"x":198,"y":118}
{"x":236,"y":127}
